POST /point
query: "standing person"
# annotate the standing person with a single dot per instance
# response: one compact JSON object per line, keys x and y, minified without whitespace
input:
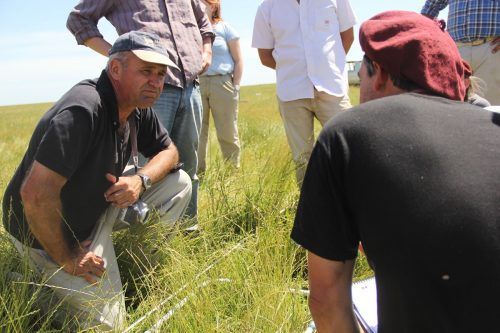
{"x":412,"y":173}
{"x":220,"y":88}
{"x":186,"y":33}
{"x":69,"y":192}
{"x":475,"y":27}
{"x":306,"y":42}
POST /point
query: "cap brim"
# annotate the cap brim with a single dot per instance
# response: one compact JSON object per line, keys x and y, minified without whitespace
{"x":154,"y":57}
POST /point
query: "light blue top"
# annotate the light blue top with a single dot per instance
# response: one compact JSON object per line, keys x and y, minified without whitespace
{"x":222,"y":62}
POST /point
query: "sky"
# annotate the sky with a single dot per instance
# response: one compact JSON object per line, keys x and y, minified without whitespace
{"x":40,"y":60}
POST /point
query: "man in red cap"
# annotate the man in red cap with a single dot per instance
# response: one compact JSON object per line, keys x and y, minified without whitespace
{"x":412,"y":173}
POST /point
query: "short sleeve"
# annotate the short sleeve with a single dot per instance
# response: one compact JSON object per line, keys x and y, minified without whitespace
{"x":230,"y":33}
{"x":322,"y":223}
{"x":66,"y":141}
{"x":152,"y":137}
{"x":262,"y":35}
{"x":346,"y":16}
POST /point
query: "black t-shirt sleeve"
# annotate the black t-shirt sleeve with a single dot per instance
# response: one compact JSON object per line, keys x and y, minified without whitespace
{"x":66,"y":141}
{"x":152,"y":137}
{"x":322,"y":223}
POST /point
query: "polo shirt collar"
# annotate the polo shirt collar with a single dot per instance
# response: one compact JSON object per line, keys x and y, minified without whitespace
{"x":108,"y":97}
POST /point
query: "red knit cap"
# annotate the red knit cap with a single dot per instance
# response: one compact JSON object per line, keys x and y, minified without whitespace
{"x":415,"y":47}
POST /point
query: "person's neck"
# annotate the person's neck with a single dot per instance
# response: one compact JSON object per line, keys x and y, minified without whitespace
{"x":124,"y":114}
{"x":124,"y":109}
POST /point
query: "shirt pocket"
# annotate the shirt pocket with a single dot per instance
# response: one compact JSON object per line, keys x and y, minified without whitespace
{"x":325,"y":16}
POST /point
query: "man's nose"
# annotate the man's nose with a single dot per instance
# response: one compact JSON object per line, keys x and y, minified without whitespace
{"x":156,"y":80}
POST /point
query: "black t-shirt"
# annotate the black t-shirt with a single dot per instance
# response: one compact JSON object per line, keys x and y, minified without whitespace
{"x":78,"y":139}
{"x":416,"y":179}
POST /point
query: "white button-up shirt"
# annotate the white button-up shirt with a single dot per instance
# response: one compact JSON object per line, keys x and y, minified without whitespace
{"x":306,"y":44}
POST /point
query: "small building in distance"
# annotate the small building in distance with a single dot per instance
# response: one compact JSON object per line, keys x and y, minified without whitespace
{"x":352,"y":72}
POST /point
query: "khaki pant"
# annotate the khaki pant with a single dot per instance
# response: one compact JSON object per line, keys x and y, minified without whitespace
{"x":219,"y":98}
{"x":102,"y":305}
{"x":298,"y":119}
{"x":486,"y":66}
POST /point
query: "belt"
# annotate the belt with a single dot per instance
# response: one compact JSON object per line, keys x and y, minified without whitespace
{"x":476,"y":42}
{"x":211,"y":75}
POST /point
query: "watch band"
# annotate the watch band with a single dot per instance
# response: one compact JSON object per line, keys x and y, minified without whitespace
{"x":146,"y":181}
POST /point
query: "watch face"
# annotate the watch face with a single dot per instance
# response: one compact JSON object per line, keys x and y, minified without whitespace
{"x":146,"y":181}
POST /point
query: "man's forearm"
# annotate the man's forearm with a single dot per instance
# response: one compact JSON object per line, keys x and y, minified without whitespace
{"x":206,"y":54}
{"x":40,"y":194}
{"x":99,"y":45}
{"x":332,"y":318}
{"x":347,"y":38}
{"x":161,"y":164}
{"x":267,"y":58}
{"x":330,"y":294}
{"x":46,"y":224}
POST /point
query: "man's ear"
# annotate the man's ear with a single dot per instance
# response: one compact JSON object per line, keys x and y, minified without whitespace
{"x":381,"y":77}
{"x":115,"y":68}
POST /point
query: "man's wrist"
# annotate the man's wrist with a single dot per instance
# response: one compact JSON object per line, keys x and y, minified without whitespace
{"x":145,"y":181}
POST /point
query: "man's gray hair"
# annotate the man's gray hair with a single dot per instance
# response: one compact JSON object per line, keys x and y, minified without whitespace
{"x":120,"y":56}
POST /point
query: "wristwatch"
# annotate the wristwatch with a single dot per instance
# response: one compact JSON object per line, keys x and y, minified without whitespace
{"x":237,"y":87}
{"x":146,"y":181}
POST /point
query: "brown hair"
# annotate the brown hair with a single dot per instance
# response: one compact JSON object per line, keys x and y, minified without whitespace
{"x":216,"y":16}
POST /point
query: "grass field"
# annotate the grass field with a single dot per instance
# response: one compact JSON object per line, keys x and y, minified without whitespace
{"x":237,"y":273}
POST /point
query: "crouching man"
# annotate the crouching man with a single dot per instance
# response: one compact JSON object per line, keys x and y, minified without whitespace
{"x":412,"y":173}
{"x":69,"y":191}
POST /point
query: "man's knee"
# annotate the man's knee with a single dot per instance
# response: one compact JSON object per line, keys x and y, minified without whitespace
{"x":179,"y":184}
{"x":184,"y":183}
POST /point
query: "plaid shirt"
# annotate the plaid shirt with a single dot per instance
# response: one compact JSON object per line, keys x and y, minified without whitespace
{"x":468,"y":20}
{"x":181,"y":24}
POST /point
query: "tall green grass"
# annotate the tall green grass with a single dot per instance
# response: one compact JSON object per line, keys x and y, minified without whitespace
{"x":237,"y":272}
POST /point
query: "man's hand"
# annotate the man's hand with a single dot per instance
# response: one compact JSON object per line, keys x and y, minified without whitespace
{"x":206,"y":56}
{"x":206,"y":61}
{"x":85,"y":264}
{"x":125,"y":192}
{"x":496,"y":44}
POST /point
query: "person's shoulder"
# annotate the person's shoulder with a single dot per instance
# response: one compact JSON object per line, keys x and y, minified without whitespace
{"x":368,"y":114}
{"x":227,"y":29}
{"x":84,"y":97}
{"x":398,"y":108}
{"x":224,"y":25}
{"x":406,"y":101}
{"x":86,"y":94}
{"x":267,"y":4}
